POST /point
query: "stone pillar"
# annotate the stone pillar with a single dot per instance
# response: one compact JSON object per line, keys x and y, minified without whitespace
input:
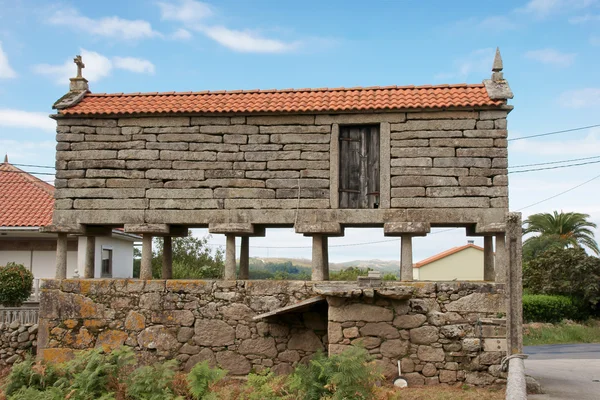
{"x":501,"y":259}
{"x":61,"y":256}
{"x":230,"y":258}
{"x":318,"y":261}
{"x":146,"y":267}
{"x":167,"y":259}
{"x":325,"y":243}
{"x":90,"y":257}
{"x":245,"y":258}
{"x":488,"y":258}
{"x":514,"y":284}
{"x":406,"y":258}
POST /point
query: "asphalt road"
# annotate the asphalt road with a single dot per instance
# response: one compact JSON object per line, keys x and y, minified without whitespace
{"x":566,"y":372}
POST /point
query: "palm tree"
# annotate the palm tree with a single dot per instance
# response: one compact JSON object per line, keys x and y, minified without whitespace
{"x":567,"y":229}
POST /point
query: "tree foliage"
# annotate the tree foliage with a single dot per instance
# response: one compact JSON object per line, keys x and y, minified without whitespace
{"x":16,"y":283}
{"x":562,"y":229}
{"x":569,"y":272}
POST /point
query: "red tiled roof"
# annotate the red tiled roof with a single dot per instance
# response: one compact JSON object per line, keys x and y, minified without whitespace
{"x":287,"y":100}
{"x":445,"y":254}
{"x":24,"y":199}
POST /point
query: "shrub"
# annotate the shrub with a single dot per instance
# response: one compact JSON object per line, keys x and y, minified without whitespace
{"x":568,"y":272}
{"x":152,"y":382}
{"x":28,"y":374}
{"x":347,"y":375}
{"x":547,"y":308}
{"x":16,"y":284}
{"x":201,"y":377}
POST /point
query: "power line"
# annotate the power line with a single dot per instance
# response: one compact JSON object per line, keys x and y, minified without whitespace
{"x":555,"y":132}
{"x":28,"y":173}
{"x":553,"y":162}
{"x":32,"y":165}
{"x":557,"y":167}
{"x":560,"y":194}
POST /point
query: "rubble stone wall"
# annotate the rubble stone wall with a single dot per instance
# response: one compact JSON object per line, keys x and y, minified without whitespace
{"x":442,"y":332}
{"x":190,"y":321}
{"x":16,"y":340}
{"x":142,"y":166}
{"x":445,"y":333}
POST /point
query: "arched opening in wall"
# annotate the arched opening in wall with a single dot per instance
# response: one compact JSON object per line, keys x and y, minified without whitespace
{"x":448,"y":254}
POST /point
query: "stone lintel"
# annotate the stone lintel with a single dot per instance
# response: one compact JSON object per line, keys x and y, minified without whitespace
{"x":157,"y":229}
{"x":319,"y":228}
{"x":486,"y":229}
{"x":239,"y":228}
{"x":74,"y":229}
{"x":410,"y":228}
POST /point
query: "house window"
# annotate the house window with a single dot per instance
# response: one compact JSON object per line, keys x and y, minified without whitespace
{"x":107,"y":260}
{"x":359,"y":166}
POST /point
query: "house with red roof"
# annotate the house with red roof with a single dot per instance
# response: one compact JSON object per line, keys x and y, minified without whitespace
{"x":462,"y":263}
{"x":26,"y":206}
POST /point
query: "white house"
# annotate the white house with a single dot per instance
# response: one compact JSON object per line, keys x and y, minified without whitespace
{"x":26,"y":205}
{"x":463,"y":263}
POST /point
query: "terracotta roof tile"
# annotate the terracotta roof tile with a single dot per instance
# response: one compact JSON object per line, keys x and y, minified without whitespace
{"x":445,"y":254}
{"x":24,"y":199}
{"x":286,"y":100}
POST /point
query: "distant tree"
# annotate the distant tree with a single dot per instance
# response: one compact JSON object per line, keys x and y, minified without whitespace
{"x":349,"y":274}
{"x":568,"y":229}
{"x":192,"y":259}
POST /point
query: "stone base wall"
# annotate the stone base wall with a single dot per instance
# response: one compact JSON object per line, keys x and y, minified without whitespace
{"x":441,"y":332}
{"x":444,"y":333}
{"x":16,"y":340}
{"x":190,"y":321}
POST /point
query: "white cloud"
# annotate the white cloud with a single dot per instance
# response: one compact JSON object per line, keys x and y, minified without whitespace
{"x":562,"y":149}
{"x":497,"y":23}
{"x":581,"y":98}
{"x":97,"y":67}
{"x":181,"y":34}
{"x":137,"y":65}
{"x":478,"y":63}
{"x":185,"y":11}
{"x":26,"y":119}
{"x":552,"y":57}
{"x":595,"y":40}
{"x":246,"y":41}
{"x":582,"y":19}
{"x":545,"y":8}
{"x":113,"y":27}
{"x":5,"y":69}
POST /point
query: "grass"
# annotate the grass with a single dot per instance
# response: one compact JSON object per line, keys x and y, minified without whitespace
{"x":563,"y":333}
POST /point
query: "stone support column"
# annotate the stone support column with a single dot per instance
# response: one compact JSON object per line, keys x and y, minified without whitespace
{"x":501,"y":259}
{"x":230,"y":266}
{"x":488,"y":258}
{"x":245,"y":258}
{"x":167,"y":259}
{"x":514,"y":283}
{"x":90,"y":257}
{"x":318,"y":260}
{"x":61,"y":256}
{"x":406,"y":258}
{"x":325,"y":244}
{"x":146,"y":265}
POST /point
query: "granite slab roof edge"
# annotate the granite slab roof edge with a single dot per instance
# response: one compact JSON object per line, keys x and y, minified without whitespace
{"x":320,"y":100}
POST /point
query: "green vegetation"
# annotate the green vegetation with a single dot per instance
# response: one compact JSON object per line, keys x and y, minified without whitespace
{"x":546,"y":308}
{"x":16,"y":284}
{"x":557,"y":230}
{"x":284,"y":270}
{"x":564,"y":333}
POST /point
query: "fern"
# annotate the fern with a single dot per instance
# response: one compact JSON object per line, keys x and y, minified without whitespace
{"x":265,"y":386}
{"x":28,"y":374}
{"x":153,"y":382}
{"x":51,"y":393}
{"x":201,"y":377}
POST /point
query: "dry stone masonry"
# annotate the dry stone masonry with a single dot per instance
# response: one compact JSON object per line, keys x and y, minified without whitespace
{"x":16,"y":341}
{"x":442,"y":332}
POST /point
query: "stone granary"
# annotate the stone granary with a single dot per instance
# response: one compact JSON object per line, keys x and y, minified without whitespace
{"x":319,"y":160}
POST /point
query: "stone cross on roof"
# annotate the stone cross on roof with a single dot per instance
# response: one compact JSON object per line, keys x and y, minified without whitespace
{"x":80,"y":65}
{"x":497,"y":67}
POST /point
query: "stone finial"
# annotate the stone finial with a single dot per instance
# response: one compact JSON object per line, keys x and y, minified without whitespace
{"x":497,"y":67}
{"x":6,"y":159}
{"x":79,"y":83}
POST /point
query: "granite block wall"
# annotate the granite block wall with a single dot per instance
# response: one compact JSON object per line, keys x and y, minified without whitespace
{"x":16,"y":341}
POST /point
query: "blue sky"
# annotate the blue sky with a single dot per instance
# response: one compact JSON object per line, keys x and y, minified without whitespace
{"x":551,"y":52}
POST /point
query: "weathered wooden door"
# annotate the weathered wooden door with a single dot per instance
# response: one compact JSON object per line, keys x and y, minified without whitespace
{"x":359,"y":166}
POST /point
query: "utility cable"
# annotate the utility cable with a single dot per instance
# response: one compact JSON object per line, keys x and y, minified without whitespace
{"x":553,"y":162}
{"x":555,"y":132}
{"x":556,"y":167}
